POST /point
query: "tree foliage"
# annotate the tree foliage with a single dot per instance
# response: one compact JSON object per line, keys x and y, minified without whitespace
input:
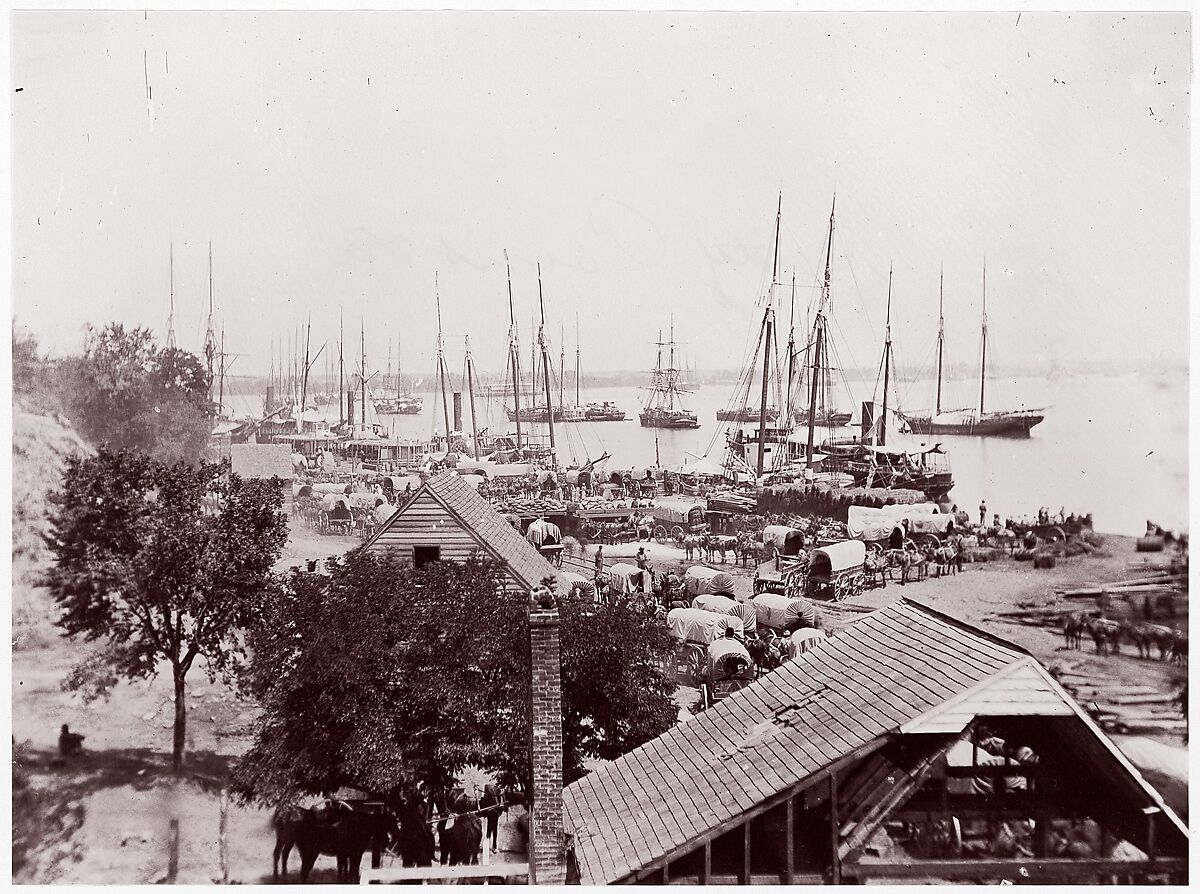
{"x":126,"y":392}
{"x":143,"y":569}
{"x":371,"y":675}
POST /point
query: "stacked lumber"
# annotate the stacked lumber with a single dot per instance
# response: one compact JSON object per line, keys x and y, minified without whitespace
{"x":1122,"y":707}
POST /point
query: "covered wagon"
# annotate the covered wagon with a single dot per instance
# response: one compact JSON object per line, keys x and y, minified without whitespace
{"x":726,"y":605}
{"x":727,"y":668}
{"x":700,"y":579}
{"x":547,"y":539}
{"x":695,"y":625}
{"x":625,"y":579}
{"x":836,"y":571}
{"x":781,"y":613}
{"x":583,"y":586}
{"x":788,"y":541}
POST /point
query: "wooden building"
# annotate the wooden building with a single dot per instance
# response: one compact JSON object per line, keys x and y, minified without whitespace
{"x":909,"y":747}
{"x":446,"y":520}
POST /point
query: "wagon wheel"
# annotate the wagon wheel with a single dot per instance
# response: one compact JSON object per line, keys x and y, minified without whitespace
{"x":1056,"y":534}
{"x":677,"y":534}
{"x":660,"y":533}
{"x":929,"y":540}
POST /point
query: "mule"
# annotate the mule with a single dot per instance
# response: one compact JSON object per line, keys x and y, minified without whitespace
{"x":341,"y":832}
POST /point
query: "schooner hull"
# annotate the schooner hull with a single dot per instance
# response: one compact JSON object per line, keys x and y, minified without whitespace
{"x":1000,"y":425}
{"x":656,"y":420}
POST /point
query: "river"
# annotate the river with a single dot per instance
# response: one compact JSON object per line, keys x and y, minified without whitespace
{"x":1112,"y":445}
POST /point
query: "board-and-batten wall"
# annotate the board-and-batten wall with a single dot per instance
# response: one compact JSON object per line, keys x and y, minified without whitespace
{"x":424,"y":522}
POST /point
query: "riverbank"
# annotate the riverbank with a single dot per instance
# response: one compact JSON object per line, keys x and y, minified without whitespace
{"x":109,"y":816}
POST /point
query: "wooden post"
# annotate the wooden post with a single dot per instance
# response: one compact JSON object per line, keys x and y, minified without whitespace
{"x":789,"y":869}
{"x":666,"y":874}
{"x":706,"y":870}
{"x":222,"y":836}
{"x":746,"y":853}
{"x":834,"y":825}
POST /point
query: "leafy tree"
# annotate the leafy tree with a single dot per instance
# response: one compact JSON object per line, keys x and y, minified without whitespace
{"x":371,"y":675}
{"x":127,"y":393}
{"x":159,"y":563}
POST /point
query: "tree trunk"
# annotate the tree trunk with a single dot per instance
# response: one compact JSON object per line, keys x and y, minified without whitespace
{"x":180,"y":723}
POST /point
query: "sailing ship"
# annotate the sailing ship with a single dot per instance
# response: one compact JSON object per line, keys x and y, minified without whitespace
{"x":874,"y":464}
{"x":745,"y":414}
{"x":1011,"y":423}
{"x":607,"y":411}
{"x":664,"y":408}
{"x":400,"y":404}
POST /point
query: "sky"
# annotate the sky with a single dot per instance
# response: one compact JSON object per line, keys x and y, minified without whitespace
{"x":348,"y":160}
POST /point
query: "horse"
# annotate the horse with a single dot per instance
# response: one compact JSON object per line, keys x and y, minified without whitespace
{"x":1136,"y":634}
{"x":1074,"y":626}
{"x":876,"y":565}
{"x":286,"y":821}
{"x":945,"y":559}
{"x":718,"y":544}
{"x":461,"y":840}
{"x":341,"y":832}
{"x":746,"y":548}
{"x":1179,"y":649}
{"x":1162,"y":637}
{"x":1106,"y":635}
{"x":692,"y":544}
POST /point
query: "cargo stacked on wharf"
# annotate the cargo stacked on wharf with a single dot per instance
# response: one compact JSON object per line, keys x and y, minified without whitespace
{"x":831,"y":500}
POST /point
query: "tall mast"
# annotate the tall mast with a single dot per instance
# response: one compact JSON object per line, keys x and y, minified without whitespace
{"x":397,"y":366}
{"x":514,"y":352}
{"x":577,"y":360}
{"x":471,"y":396}
{"x":658,"y":373}
{"x":562,"y":365}
{"x":304,"y":384}
{"x":940,"y":341}
{"x":983,"y":359}
{"x":819,"y":325}
{"x":387,"y":378}
{"x":545,"y":364}
{"x":221,"y":392}
{"x":762,"y":409}
{"x":210,"y":339}
{"x":441,"y":361}
{"x":768,"y":321}
{"x":887,"y":364}
{"x":791,"y":355}
{"x":671,"y":376}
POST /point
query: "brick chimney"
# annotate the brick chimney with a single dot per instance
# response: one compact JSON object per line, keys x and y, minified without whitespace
{"x":547,"y":844}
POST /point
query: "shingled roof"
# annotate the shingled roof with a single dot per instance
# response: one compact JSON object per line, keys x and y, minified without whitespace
{"x":874,"y":677}
{"x":477,"y":516}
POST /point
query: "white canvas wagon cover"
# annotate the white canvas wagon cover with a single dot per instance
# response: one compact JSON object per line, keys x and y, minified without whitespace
{"x":625,"y":578}
{"x":701,"y":579}
{"x":778,"y":612}
{"x":694,"y":625}
{"x":838,"y":557}
{"x":720,"y":651}
{"x":724,"y":605}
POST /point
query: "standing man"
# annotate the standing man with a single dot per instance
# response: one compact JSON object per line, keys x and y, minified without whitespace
{"x":982,"y":512}
{"x":599,"y":559}
{"x":641,"y":558}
